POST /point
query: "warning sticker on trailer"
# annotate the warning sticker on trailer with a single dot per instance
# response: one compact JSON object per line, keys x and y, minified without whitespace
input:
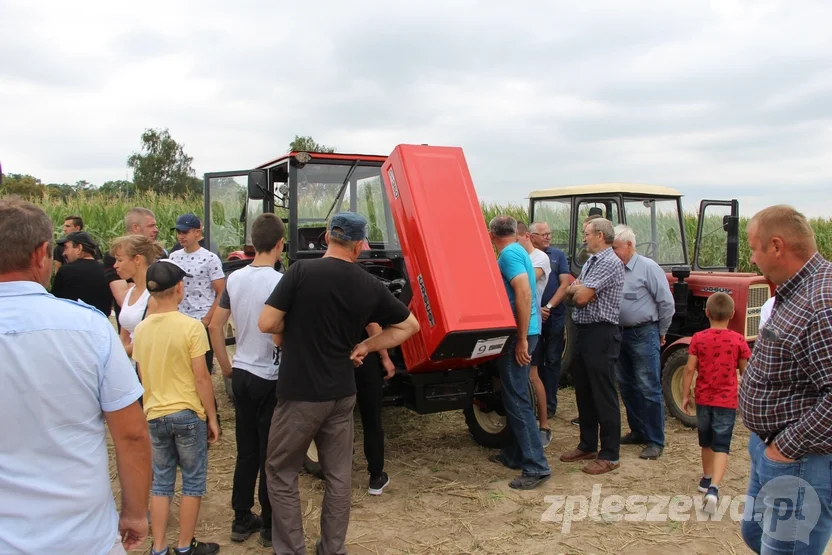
{"x":486,"y":347}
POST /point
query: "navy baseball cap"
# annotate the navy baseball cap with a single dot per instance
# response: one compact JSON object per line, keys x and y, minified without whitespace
{"x":350,"y":226}
{"x":164,"y":274}
{"x":186,"y":222}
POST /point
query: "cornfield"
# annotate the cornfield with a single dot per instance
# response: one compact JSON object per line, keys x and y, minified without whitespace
{"x":104,"y":219}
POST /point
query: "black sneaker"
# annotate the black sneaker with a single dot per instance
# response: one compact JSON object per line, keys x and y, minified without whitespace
{"x":265,"y":537}
{"x":704,"y":484}
{"x":576,"y":421}
{"x":200,"y":548}
{"x":378,"y":483}
{"x":711,"y":500}
{"x":242,"y":528}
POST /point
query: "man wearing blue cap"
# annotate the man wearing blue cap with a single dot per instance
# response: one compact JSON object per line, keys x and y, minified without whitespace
{"x":318,"y":312}
{"x":203,"y":290}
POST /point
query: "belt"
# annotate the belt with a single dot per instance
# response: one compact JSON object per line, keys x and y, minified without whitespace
{"x":583,"y":326}
{"x":768,"y":438}
{"x":638,"y":325}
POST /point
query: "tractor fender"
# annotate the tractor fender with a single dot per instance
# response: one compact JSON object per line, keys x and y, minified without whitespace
{"x":681,"y":343}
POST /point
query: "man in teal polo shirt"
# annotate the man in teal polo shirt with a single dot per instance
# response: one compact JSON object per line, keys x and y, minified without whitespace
{"x":525,"y":450}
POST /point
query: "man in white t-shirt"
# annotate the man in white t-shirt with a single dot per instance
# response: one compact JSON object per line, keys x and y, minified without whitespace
{"x":542,"y":268}
{"x":202,"y":291}
{"x":253,"y":373}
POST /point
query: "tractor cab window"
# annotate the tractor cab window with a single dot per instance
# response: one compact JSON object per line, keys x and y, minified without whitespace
{"x":557,"y":213}
{"x":606,"y":208}
{"x":658,"y":229}
{"x":326,"y":189}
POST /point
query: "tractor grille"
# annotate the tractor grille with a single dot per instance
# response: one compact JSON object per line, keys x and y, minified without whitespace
{"x":757,"y":297}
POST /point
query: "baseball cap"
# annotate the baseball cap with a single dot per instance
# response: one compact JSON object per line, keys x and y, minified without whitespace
{"x":187,"y":222}
{"x":164,"y":274}
{"x":352,"y":226}
{"x":80,"y":238}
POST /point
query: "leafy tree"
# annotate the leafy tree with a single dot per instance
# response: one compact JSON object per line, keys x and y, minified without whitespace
{"x":308,"y":144}
{"x":117,"y":187}
{"x":23,"y":185}
{"x":163,"y":166}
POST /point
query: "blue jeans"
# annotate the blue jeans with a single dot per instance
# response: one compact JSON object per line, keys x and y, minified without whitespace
{"x":789,"y":509}
{"x":179,"y":439}
{"x":525,"y":450}
{"x":548,"y":360}
{"x":638,"y":373}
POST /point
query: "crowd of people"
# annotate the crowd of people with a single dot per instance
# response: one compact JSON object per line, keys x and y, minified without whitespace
{"x":312,"y":342}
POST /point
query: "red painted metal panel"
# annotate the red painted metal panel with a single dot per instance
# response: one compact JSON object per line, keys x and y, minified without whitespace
{"x":451,"y":265}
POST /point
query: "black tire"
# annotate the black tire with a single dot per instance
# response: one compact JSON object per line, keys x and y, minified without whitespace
{"x":672,"y":379}
{"x":490,"y":428}
{"x":311,"y":463}
{"x":569,"y":337}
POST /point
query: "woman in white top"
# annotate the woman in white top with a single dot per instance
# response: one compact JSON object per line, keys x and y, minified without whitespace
{"x":133,"y":254}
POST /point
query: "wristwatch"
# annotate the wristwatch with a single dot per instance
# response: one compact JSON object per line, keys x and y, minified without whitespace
{"x":549,"y":306}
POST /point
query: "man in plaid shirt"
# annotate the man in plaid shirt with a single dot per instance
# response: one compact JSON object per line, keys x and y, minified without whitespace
{"x":785,"y":397}
{"x":596,"y":296}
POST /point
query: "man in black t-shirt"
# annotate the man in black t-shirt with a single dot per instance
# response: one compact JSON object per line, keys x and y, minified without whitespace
{"x":82,"y":277}
{"x":317,"y":313}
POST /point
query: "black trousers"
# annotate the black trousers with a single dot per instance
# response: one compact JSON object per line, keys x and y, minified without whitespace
{"x":596,"y":354}
{"x":369,"y":379}
{"x":254,"y":401}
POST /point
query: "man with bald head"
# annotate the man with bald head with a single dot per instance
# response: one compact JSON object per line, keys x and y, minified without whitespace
{"x":785,"y":396}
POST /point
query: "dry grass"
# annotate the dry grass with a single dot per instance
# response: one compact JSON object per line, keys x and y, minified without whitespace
{"x":446,"y":498}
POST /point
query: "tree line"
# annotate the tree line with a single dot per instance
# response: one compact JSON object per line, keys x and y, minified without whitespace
{"x":160,"y":166}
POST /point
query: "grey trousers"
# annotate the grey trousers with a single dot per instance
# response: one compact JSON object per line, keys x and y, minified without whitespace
{"x":294,"y":425}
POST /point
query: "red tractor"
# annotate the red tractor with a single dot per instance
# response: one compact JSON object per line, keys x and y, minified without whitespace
{"x":428,"y":242}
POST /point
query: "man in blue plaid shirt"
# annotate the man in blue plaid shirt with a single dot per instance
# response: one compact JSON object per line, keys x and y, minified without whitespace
{"x":596,"y":296}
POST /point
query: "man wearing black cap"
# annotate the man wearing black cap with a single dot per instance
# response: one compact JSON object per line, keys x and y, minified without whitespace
{"x":318,"y":312}
{"x":82,"y":277}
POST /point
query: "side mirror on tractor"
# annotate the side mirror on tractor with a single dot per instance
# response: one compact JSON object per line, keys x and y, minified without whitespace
{"x":732,"y":256}
{"x":257,"y":184}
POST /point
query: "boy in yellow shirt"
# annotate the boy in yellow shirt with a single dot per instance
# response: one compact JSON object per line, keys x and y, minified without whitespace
{"x":169,"y":349}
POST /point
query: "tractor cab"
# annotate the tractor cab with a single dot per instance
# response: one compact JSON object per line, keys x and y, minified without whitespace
{"x":304,"y":189}
{"x":656,"y":217}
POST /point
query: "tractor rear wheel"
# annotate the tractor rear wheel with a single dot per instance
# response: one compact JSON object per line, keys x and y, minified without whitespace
{"x":673,"y":375}
{"x":490,"y":428}
{"x":570,"y":336}
{"x":311,"y":463}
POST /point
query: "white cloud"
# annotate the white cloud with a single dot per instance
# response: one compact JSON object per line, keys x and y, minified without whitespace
{"x":728,"y":98}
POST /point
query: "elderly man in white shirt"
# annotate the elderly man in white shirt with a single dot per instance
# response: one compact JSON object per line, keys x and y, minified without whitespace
{"x":64,"y":376}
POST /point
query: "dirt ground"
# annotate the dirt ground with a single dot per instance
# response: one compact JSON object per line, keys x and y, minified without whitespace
{"x":445,"y":497}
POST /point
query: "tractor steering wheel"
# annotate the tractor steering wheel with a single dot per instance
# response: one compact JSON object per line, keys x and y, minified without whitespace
{"x":651,"y":251}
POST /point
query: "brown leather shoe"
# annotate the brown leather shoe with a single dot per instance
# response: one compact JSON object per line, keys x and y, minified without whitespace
{"x":577,"y":455}
{"x":600,"y":466}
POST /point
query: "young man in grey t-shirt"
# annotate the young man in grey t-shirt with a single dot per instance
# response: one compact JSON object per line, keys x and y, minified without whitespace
{"x":253,"y":373}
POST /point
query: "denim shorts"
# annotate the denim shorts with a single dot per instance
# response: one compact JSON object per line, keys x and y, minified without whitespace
{"x":715,"y":426}
{"x":179,"y":439}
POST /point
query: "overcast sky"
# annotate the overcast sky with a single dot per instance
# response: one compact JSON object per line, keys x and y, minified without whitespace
{"x":719,"y":99}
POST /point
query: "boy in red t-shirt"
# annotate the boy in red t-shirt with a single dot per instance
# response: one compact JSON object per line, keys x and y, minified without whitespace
{"x":715,"y":354}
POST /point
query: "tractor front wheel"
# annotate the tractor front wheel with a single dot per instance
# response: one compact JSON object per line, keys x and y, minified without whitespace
{"x":487,"y":421}
{"x":673,"y":375}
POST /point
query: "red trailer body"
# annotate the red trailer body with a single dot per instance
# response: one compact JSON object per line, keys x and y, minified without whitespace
{"x":458,"y":292}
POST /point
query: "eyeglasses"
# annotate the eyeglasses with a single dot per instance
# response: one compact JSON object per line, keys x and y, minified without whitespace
{"x":549,"y":234}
